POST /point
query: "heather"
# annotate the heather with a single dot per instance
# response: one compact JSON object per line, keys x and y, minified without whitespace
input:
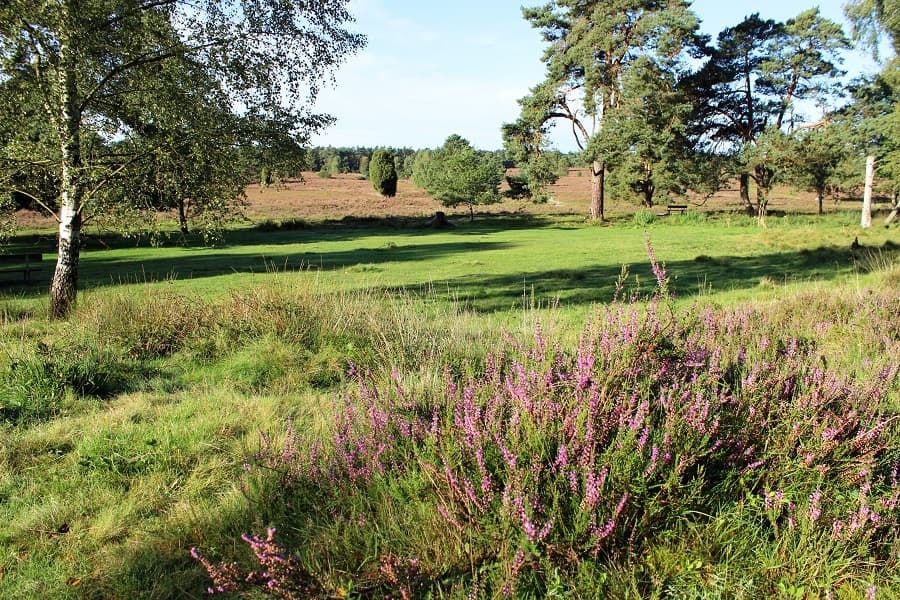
{"x":669,"y":452}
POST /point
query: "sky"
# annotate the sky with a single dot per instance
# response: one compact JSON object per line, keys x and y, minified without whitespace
{"x":434,"y":68}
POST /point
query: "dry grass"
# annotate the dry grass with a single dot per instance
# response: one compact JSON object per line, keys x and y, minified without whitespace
{"x":348,"y":195}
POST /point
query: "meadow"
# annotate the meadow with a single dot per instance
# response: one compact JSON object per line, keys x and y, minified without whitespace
{"x":342,"y":402}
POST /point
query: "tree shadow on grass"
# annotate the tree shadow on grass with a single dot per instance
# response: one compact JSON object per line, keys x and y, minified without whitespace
{"x":99,"y":270}
{"x":702,"y":275}
{"x":570,"y":287}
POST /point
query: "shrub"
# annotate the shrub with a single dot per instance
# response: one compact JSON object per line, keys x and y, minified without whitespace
{"x":457,"y":174}
{"x":691,"y":217}
{"x":642,"y":218}
{"x":547,"y":460}
{"x":382,"y":173}
{"x":364,"y":166}
{"x":159,"y":325}
{"x":330,"y":168}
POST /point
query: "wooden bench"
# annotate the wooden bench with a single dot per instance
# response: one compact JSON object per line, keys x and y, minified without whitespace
{"x":673,"y":208}
{"x":21,"y":263}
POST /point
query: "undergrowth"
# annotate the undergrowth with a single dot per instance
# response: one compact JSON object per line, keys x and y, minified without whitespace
{"x":548,"y":469}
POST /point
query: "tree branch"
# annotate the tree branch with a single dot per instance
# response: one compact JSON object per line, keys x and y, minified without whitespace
{"x":37,"y":200}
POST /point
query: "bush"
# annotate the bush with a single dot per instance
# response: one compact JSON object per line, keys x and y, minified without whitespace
{"x":581,"y":467}
{"x":642,"y":218}
{"x":382,"y":173}
{"x":364,"y":166}
{"x":150,"y":328}
{"x":691,"y":217}
{"x":330,"y":168}
{"x":457,"y":174}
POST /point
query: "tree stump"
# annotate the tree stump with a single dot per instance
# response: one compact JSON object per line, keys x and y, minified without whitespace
{"x":439,"y":221}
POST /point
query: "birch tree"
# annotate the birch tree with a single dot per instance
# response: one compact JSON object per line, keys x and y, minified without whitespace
{"x":85,"y":57}
{"x":875,"y":21}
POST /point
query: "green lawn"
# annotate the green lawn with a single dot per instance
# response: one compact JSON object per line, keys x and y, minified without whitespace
{"x":489,"y":265}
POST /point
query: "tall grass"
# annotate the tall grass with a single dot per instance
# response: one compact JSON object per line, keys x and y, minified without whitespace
{"x":547,"y":469}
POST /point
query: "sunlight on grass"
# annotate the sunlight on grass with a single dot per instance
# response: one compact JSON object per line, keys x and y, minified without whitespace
{"x":137,"y":429}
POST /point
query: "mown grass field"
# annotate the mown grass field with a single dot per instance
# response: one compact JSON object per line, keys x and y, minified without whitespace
{"x":466,"y":412}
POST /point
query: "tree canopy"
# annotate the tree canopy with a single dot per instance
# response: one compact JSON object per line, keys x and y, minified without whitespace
{"x":101,"y":76}
{"x":457,"y":174}
{"x":746,"y":93}
{"x":590,"y":47}
{"x":874,"y":114}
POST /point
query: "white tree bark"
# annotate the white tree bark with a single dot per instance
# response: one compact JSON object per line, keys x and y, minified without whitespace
{"x":63,"y":288}
{"x":867,"y":194}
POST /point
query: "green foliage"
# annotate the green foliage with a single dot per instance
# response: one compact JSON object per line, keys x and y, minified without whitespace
{"x":383,"y":174}
{"x":421,"y":168}
{"x":137,"y":93}
{"x":7,"y":217}
{"x":591,"y":47}
{"x":747,"y":89}
{"x":645,"y":142}
{"x":355,"y":159}
{"x":812,"y":158}
{"x":406,"y":171}
{"x":518,"y":188}
{"x":874,"y":116}
{"x":642,"y":218}
{"x":147,"y":330}
{"x":872,"y":19}
{"x":524,"y":144}
{"x":330,"y":168}
{"x":457,"y":174}
{"x":35,"y":381}
{"x":364,"y":166}
{"x":690,"y":217}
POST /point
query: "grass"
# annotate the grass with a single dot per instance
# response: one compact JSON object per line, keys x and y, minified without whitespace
{"x":488,"y":265}
{"x":156,"y":419}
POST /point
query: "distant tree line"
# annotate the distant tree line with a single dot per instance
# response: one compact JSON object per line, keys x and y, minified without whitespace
{"x":331,"y":161}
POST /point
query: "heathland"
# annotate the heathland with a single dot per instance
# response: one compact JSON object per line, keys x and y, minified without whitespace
{"x":341,"y":401}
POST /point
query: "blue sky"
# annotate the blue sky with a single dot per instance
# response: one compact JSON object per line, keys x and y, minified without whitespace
{"x":433,"y":68}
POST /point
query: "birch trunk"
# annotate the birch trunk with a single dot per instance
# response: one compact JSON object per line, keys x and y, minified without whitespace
{"x":866,"y":220}
{"x":598,"y":171}
{"x":64,"y":287}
